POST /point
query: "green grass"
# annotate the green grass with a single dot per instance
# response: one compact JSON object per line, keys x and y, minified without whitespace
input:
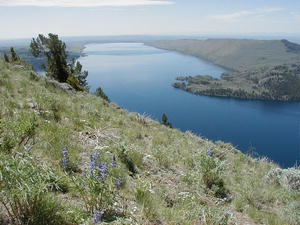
{"x":167,"y":176}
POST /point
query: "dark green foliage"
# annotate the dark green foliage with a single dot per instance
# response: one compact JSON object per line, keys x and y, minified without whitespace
{"x":127,"y":160}
{"x":211,"y":176}
{"x":164,"y":121}
{"x":76,"y":71}
{"x":55,"y":51}
{"x":57,"y":66}
{"x":100,"y":93}
{"x":14,"y":56}
{"x":5,"y":57}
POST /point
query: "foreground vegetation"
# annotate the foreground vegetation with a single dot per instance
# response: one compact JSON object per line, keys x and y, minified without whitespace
{"x":70,"y":157}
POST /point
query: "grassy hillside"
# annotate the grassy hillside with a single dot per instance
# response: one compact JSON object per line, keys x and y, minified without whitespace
{"x":72,"y":158}
{"x":236,"y":54}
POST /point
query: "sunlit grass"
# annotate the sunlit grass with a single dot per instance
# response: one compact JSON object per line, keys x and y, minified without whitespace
{"x":168,"y":177}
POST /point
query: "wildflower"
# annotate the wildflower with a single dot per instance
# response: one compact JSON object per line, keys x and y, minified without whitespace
{"x":114,"y":162}
{"x":118,"y":183}
{"x":98,"y":216}
{"x":93,"y":162}
{"x":103,"y":171}
{"x":210,"y":153}
{"x":65,"y":158}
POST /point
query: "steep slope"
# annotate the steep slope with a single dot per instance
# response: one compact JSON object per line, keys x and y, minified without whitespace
{"x":72,"y":158}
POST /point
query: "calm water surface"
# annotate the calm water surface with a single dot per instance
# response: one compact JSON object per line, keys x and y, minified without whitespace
{"x":139,"y":78}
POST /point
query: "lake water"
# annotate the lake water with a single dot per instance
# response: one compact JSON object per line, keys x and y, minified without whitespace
{"x":139,"y":78}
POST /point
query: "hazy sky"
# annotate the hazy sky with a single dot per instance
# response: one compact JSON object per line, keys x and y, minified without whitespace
{"x":27,"y":18}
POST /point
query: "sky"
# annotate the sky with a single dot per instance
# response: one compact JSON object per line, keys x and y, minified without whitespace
{"x":27,"y":18}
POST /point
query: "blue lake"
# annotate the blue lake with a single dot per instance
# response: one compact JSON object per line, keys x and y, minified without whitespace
{"x":139,"y":78}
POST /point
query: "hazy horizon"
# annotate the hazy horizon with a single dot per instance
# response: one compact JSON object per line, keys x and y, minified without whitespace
{"x":77,"y":18}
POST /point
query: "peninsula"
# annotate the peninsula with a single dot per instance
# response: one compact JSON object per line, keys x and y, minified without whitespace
{"x":261,"y":69}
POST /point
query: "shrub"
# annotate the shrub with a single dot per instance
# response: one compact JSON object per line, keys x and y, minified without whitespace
{"x":25,"y":192}
{"x":100,"y":93}
{"x":164,"y":121}
{"x":18,"y":132}
{"x":127,"y":160}
{"x":211,"y":176}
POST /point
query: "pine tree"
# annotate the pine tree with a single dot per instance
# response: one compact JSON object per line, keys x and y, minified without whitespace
{"x":14,"y":56}
{"x":100,"y":93}
{"x":57,"y":66}
{"x":76,"y":71}
{"x":55,"y":51}
{"x":164,"y":121}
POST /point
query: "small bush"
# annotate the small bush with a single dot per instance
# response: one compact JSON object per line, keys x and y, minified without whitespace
{"x":127,"y":160}
{"x":100,"y":93}
{"x":211,"y":176}
{"x":17,"y":132}
{"x":25,"y":192}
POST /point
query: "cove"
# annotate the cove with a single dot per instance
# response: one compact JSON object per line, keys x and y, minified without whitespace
{"x":139,"y":78}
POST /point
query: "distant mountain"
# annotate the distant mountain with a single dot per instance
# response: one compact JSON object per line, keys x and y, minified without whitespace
{"x":236,"y":54}
{"x":264,"y":69}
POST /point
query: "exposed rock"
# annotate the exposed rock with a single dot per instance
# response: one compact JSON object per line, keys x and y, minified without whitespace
{"x":63,"y":86}
{"x":289,"y":178}
{"x":32,"y":105}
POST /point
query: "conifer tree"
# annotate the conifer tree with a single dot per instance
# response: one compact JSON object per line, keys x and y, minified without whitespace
{"x":76,"y":71}
{"x":100,"y":93}
{"x":55,"y":51}
{"x":57,"y":66}
{"x":164,"y":121}
{"x":14,"y":56}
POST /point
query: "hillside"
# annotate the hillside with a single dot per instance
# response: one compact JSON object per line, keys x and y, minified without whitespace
{"x":72,"y":158}
{"x":236,"y":54}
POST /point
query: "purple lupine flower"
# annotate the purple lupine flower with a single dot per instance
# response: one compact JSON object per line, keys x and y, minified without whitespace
{"x":98,"y":216}
{"x":65,"y":158}
{"x":114,"y":162}
{"x":210,"y":153}
{"x":93,"y":162}
{"x":103,"y":171}
{"x":118,"y":183}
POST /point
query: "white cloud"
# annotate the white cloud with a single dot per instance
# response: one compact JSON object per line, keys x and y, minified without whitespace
{"x":244,"y":13}
{"x":83,"y":3}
